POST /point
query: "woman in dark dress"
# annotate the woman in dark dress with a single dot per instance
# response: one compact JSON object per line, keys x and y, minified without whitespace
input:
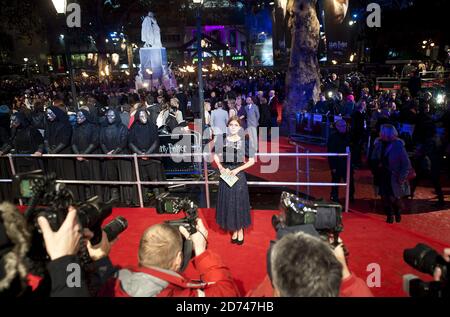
{"x":233,"y":203}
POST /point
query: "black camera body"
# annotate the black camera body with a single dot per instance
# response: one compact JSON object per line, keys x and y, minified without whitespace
{"x":173,"y":205}
{"x":326,"y":218}
{"x":425,"y":259}
{"x":320,"y":219}
{"x":51,"y":200}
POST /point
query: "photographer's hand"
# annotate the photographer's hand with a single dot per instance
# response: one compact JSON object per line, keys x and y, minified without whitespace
{"x":437,"y":271}
{"x":199,"y":239}
{"x":340,"y":255}
{"x":100,"y":250}
{"x":66,"y":240}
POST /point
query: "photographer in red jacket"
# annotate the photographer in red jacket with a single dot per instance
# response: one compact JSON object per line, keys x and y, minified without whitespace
{"x":319,"y":270}
{"x":160,"y":260}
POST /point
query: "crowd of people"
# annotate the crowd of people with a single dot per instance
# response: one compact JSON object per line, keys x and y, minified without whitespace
{"x":111,"y":118}
{"x":405,"y":135}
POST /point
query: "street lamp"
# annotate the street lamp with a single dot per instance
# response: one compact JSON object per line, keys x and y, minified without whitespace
{"x":198,"y":4}
{"x":60,"y":7}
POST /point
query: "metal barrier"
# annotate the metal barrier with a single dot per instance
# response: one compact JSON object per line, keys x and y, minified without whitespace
{"x":299,"y":148}
{"x":314,"y":128}
{"x":205,"y":182}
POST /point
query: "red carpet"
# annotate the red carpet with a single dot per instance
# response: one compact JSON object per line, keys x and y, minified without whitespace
{"x":368,"y":239}
{"x":420,"y":215}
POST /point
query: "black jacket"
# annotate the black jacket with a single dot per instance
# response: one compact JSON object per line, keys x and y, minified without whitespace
{"x":338,"y":143}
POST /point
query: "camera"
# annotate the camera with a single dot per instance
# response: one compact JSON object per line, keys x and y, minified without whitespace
{"x":317,"y":218}
{"x":325,"y":218}
{"x":425,"y":259}
{"x":51,"y":200}
{"x":173,"y":205}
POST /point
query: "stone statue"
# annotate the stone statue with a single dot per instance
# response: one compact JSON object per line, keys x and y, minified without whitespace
{"x":151,"y":33}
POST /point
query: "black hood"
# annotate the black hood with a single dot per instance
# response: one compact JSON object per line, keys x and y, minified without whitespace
{"x":60,"y":114}
{"x":118,"y":120}
{"x":136,"y":116}
{"x":88,"y":116}
{"x":23,"y":120}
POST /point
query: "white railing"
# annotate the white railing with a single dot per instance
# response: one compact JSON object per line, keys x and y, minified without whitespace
{"x":200,"y":157}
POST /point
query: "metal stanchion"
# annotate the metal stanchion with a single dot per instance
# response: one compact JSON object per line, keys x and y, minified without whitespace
{"x":138,"y":180}
{"x":205,"y":172}
{"x":13,"y":172}
{"x":297,"y":165}
{"x":308,"y":191}
{"x":347,"y":188}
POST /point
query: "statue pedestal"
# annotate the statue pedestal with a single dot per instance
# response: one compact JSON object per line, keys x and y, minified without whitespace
{"x":155,"y":60}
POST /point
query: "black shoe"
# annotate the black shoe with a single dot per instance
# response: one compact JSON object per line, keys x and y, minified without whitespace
{"x":240,"y":242}
{"x":234,"y":241}
{"x":390,"y":219}
{"x":398,"y":218}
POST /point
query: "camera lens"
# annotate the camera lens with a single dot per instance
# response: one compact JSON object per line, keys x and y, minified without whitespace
{"x":115,"y":227}
{"x":422,"y":258}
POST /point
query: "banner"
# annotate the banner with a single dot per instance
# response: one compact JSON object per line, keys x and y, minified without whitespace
{"x":178,"y":144}
{"x":339,"y":28}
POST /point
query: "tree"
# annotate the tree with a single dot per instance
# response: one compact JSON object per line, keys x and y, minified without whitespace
{"x":21,"y":19}
{"x":302,"y":79}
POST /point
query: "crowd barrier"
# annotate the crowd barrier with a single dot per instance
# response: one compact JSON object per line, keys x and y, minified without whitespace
{"x":201,"y":158}
{"x":314,"y":127}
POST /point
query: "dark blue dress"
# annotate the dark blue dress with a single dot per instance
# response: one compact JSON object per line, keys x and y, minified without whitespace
{"x":233,"y":203}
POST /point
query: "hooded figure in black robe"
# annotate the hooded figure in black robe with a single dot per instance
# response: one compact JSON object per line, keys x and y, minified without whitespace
{"x":114,"y":140}
{"x":5,"y":170}
{"x":25,"y":139}
{"x":85,"y":141}
{"x":57,"y":138}
{"x":144,"y":139}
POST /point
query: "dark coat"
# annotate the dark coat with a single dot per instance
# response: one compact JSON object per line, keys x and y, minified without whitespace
{"x":338,"y":143}
{"x":398,"y":164}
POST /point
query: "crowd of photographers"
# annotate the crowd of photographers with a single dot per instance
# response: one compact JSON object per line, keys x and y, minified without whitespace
{"x":300,"y":264}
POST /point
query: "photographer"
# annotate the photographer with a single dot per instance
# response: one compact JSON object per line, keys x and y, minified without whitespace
{"x":61,"y":246}
{"x":160,"y":259}
{"x":438,"y":271}
{"x":318,"y":270}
